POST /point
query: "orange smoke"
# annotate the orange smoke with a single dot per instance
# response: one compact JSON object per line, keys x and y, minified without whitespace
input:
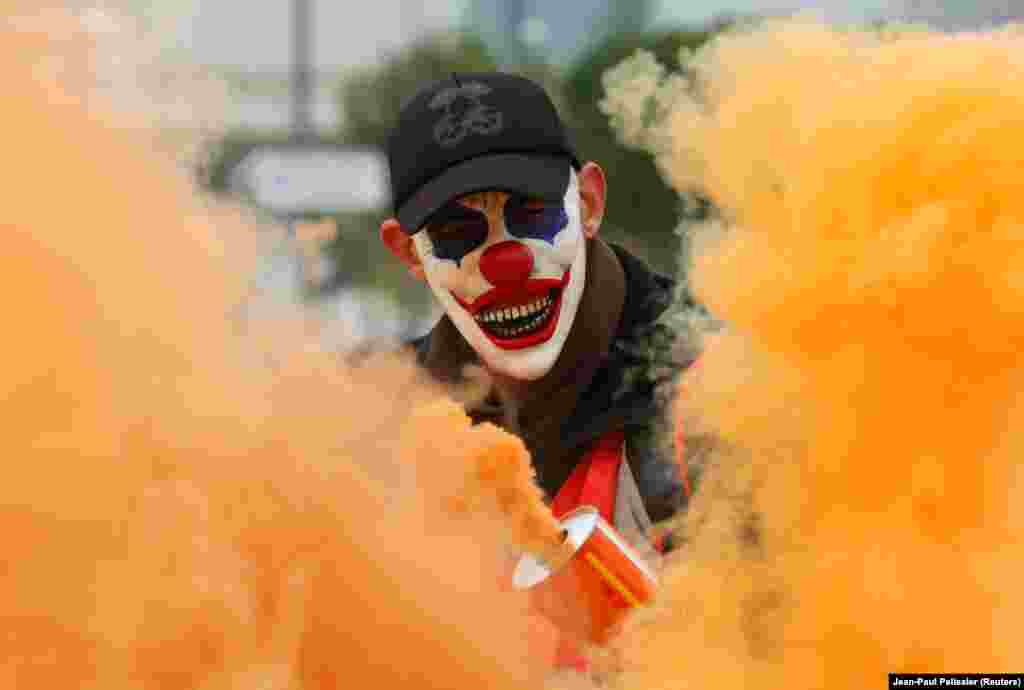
{"x":176,"y":513}
{"x":858,"y":516}
{"x":179,"y":515}
{"x":487,"y":473}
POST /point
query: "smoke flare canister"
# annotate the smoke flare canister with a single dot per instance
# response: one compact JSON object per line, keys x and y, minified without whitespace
{"x":590,"y":592}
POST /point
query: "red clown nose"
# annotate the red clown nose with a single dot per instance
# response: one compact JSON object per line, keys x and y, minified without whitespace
{"x":507,"y":264}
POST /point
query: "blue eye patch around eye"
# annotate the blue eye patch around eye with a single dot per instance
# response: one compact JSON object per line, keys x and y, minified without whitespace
{"x":456,"y":232}
{"x":534,"y":221}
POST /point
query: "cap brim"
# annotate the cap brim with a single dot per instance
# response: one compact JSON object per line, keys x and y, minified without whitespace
{"x":540,"y":176}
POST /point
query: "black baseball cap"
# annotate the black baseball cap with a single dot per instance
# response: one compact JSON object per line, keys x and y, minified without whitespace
{"x":476,"y":131}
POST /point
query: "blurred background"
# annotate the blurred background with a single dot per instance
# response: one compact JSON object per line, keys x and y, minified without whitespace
{"x":312,"y":88}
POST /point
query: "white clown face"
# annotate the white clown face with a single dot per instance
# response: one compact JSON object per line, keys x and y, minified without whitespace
{"x":510,"y":274}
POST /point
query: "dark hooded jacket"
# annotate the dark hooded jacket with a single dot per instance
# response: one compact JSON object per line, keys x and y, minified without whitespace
{"x":621,"y":382}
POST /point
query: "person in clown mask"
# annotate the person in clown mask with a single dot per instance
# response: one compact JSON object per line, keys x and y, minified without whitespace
{"x":496,"y":212}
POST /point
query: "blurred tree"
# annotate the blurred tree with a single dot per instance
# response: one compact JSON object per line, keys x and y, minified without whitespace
{"x":371,"y":98}
{"x":643,"y":211}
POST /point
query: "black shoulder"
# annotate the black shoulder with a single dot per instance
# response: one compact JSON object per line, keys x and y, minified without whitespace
{"x":648,"y":293}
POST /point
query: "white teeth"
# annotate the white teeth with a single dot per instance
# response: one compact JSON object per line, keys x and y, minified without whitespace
{"x":534,"y":310}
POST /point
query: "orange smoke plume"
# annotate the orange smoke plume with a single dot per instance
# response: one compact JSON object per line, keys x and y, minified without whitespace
{"x":857,"y":518}
{"x":488,"y":473}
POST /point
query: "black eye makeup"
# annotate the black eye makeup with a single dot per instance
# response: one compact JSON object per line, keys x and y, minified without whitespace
{"x":457,"y":232}
{"x":527,"y":218}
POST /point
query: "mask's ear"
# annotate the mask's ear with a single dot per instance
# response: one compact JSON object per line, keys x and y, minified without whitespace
{"x":593,"y":188}
{"x":402,"y":246}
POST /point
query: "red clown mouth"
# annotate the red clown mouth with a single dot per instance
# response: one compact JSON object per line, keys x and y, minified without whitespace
{"x":520,"y":317}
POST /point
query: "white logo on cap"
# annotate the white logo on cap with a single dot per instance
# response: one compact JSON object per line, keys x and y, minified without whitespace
{"x":464,"y":113}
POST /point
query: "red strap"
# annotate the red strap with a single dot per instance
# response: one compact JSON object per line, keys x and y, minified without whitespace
{"x":595,"y":481}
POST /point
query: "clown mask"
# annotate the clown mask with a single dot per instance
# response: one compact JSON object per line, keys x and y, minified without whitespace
{"x":509,"y":272}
